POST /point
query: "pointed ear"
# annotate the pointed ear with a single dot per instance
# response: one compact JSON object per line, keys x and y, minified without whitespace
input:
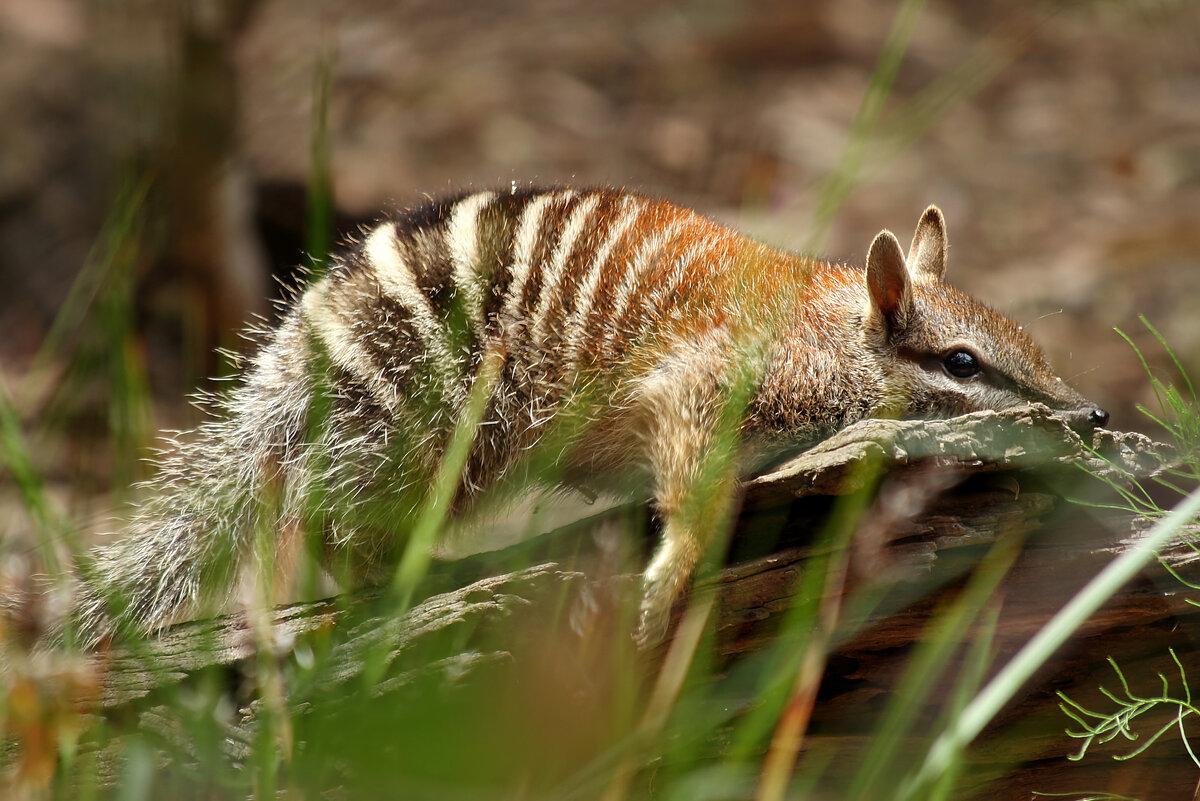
{"x":927,"y":255}
{"x":888,"y":282}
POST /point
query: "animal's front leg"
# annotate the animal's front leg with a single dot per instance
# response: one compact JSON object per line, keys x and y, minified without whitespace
{"x":689,"y":448}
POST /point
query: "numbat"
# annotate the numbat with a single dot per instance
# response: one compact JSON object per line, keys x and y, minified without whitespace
{"x":588,"y":338}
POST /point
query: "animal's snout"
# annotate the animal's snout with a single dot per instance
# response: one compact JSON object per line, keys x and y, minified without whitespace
{"x":1097,"y":417}
{"x":1086,"y":419}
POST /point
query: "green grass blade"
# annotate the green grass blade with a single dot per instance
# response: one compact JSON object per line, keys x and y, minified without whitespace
{"x":842,"y":179}
{"x":50,"y":525}
{"x":319,"y":210}
{"x":118,"y":229}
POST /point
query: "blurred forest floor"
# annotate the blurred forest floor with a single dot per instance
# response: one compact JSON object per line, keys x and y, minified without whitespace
{"x":1062,"y":140}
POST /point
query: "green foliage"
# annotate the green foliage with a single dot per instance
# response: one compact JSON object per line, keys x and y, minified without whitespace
{"x":49,"y":523}
{"x":1178,"y":415}
{"x":1179,"y":411}
{"x":1102,"y":727}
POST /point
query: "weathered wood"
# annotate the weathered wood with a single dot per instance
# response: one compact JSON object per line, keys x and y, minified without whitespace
{"x":230,"y":640}
{"x":1032,"y":437}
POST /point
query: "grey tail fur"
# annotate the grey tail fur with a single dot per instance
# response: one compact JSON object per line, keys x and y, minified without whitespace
{"x":240,"y":474}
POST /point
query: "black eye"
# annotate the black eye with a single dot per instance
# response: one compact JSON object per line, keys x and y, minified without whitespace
{"x":962,"y":364}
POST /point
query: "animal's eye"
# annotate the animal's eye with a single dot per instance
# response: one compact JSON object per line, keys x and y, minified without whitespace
{"x":962,"y":364}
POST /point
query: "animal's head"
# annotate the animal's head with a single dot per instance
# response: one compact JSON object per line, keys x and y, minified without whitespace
{"x":943,"y":352}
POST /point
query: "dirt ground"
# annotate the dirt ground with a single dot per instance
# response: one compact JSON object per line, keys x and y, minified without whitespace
{"x":1062,"y":140}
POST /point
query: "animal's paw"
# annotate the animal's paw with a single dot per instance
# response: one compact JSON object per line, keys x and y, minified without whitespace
{"x":651,"y":629}
{"x":654,"y":618}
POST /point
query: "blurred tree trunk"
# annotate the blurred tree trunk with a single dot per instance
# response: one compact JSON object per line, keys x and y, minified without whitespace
{"x":213,"y":259}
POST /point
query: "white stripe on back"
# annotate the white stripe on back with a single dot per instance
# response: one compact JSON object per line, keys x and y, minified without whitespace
{"x":631,"y":209}
{"x":397,"y":280}
{"x":462,"y":240}
{"x":344,"y":349}
{"x":525,"y":240}
{"x":650,"y":248}
{"x":663,"y":290}
{"x":554,"y":270}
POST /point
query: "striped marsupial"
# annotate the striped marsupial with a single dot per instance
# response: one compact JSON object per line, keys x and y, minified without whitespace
{"x":608,"y":339}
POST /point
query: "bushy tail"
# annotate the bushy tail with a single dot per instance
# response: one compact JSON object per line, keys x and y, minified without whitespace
{"x":185,"y":548}
{"x":182,"y":551}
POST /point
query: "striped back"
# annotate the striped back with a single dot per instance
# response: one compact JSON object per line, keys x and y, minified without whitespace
{"x":566,"y":284}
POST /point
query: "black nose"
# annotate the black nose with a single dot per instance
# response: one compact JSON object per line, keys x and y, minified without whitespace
{"x":1097,"y":417}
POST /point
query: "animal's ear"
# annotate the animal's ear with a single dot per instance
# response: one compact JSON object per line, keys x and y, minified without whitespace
{"x":888,"y":282}
{"x":927,"y":255}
